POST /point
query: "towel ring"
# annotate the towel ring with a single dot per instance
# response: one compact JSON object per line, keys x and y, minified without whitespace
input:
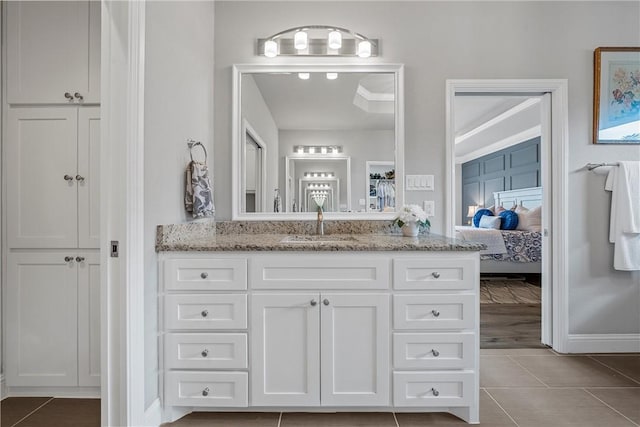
{"x":192,"y":143}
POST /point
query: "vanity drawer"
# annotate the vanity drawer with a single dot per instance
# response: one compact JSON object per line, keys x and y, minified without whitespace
{"x":205,"y":351}
{"x":434,"y":311}
{"x":209,"y":311}
{"x":220,"y":389}
{"x":205,"y":274}
{"x":437,"y":273}
{"x":433,"y":351}
{"x":433,"y":388}
{"x":317,"y":272}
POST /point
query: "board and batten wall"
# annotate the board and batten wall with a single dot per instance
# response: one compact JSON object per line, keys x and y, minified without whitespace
{"x":178,"y":105}
{"x":509,"y":169}
{"x":471,"y":40}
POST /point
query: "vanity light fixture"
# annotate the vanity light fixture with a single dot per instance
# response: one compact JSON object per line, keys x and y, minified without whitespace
{"x":318,"y":40}
{"x":317,"y":149}
{"x":319,"y":174}
{"x":332,"y":76}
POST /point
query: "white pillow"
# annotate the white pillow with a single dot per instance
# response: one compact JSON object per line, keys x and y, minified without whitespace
{"x":529,"y":219}
{"x":487,"y":221}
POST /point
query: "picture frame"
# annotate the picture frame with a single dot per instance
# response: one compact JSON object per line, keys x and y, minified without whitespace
{"x":616,"y":95}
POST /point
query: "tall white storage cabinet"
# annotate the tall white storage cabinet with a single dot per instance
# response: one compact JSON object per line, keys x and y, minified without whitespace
{"x":51,"y":164}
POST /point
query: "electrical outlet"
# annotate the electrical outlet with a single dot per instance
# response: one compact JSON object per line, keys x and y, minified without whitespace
{"x":429,"y":207}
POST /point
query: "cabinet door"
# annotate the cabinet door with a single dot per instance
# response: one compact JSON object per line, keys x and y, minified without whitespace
{"x":355,"y":349}
{"x":285,"y":350}
{"x":89,"y":319}
{"x":53,"y":48}
{"x":41,"y":149}
{"x":89,"y":177}
{"x":42,"y":312}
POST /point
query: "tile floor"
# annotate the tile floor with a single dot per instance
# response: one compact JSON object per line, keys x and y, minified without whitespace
{"x":519,"y":387}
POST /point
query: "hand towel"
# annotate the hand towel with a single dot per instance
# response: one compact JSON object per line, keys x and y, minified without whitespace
{"x":624,"y":228}
{"x":198,"y":198}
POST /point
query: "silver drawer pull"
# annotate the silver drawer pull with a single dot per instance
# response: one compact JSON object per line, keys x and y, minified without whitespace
{"x":325,"y":301}
{"x":79,"y":96}
{"x":435,"y":392}
{"x":205,"y":352}
{"x":79,"y":259}
{"x":68,"y":259}
{"x":313,"y":302}
{"x":435,"y":274}
{"x":205,"y":392}
{"x":204,"y":275}
{"x":68,"y":178}
{"x":204,"y":313}
{"x":79,"y":178}
{"x":68,"y":96}
{"x":435,"y":313}
{"x":435,"y":352}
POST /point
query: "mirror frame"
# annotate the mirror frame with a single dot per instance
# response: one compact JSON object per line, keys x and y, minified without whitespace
{"x":237,"y":129}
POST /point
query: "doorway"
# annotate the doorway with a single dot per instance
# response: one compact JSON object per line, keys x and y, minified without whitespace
{"x":489,"y":105}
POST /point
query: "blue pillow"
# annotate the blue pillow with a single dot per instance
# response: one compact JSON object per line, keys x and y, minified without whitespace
{"x":509,"y":220}
{"x":493,"y":222}
{"x":478,"y":215}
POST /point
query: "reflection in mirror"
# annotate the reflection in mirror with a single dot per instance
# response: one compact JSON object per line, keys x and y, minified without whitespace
{"x":314,"y":136}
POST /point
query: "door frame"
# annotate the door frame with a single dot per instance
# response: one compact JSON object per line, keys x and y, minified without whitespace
{"x":555,"y":315}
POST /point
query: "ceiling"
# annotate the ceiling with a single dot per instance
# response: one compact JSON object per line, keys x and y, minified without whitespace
{"x":322,"y":104}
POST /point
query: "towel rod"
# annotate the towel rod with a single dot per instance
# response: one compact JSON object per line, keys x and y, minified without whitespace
{"x":592,"y":166}
{"x":191,"y":143}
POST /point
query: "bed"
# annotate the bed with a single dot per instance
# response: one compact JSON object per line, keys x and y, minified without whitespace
{"x":509,"y":251}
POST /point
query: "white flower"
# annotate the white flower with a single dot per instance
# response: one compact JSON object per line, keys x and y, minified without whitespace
{"x":411,"y":214}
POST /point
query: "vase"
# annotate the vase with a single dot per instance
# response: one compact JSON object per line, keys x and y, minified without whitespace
{"x":410,"y":229}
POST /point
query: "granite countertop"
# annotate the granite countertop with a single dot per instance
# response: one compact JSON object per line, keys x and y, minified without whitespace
{"x":209,"y":237}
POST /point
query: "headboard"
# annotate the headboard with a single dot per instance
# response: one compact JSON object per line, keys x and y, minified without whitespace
{"x":526,"y":197}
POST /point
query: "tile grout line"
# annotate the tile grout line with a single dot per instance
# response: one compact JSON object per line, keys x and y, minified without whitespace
{"x":609,"y":406}
{"x":613,"y":369}
{"x":395,"y":419}
{"x":280,"y":419}
{"x":32,"y":412}
{"x":528,"y":371}
{"x":500,"y":406}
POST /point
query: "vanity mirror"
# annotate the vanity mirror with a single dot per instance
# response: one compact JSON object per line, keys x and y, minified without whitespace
{"x":303,"y":133}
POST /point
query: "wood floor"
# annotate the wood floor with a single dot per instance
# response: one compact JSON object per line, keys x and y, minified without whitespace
{"x":510,"y":314}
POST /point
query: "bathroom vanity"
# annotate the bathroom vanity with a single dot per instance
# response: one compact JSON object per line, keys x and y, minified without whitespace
{"x":347,"y":322}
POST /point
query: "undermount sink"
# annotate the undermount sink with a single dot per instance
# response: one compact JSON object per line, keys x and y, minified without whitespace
{"x":318,"y":239}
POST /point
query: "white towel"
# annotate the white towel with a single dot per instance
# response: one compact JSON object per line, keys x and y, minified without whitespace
{"x":624,"y":230}
{"x":492,"y":238}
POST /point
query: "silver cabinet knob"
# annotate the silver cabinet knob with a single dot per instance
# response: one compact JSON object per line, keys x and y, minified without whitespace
{"x":435,"y":392}
{"x":205,"y":352}
{"x":204,"y":313}
{"x":68,"y":259}
{"x":78,"y":96}
{"x":68,"y":178}
{"x":68,"y":96}
{"x":79,"y":178}
{"x":435,"y":352}
{"x":205,"y":392}
{"x":79,"y":258}
{"x":435,"y":313}
{"x":313,"y":302}
{"x":325,"y":301}
{"x":204,"y":275}
{"x":435,"y":274}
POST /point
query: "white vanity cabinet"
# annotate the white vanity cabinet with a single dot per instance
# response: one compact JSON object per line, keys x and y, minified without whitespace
{"x":385,"y":331}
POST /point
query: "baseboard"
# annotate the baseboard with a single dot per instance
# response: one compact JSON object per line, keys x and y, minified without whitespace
{"x":3,"y":387}
{"x":153,"y":414}
{"x":603,"y":343}
{"x":70,"y":392}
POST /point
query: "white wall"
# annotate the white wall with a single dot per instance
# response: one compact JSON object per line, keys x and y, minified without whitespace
{"x":453,"y":40}
{"x":178,"y":105}
{"x":256,"y":112}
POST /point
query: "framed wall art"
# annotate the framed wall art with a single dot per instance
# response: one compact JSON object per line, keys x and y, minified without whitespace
{"x":616,"y":95}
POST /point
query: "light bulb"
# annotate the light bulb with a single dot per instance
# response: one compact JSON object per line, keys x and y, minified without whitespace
{"x":300,"y":40}
{"x":364,"y":49}
{"x":335,"y":40}
{"x":323,"y":150}
{"x":312,"y":150}
{"x":332,"y":76}
{"x":270,"y":49}
{"x":304,"y":76}
{"x":301,"y":151}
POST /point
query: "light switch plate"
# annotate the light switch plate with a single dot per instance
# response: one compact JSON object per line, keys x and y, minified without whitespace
{"x":419,"y":183}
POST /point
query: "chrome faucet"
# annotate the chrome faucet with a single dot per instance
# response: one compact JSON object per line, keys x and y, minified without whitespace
{"x":320,"y":223}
